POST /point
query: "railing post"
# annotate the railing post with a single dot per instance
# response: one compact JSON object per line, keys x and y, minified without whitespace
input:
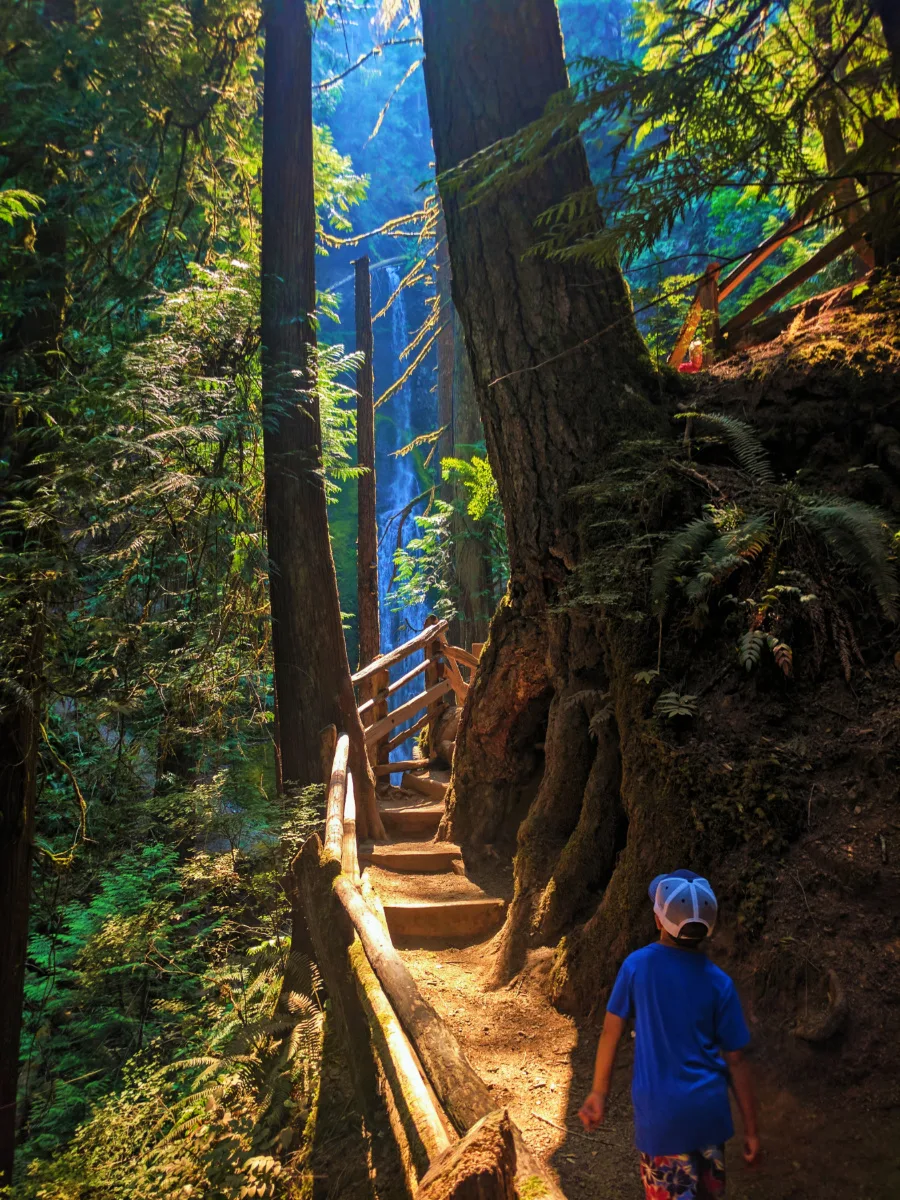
{"x":380,"y":682}
{"x":706,"y":300}
{"x":434,"y":673}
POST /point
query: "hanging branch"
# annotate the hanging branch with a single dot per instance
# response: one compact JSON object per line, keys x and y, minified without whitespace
{"x":376,"y":50}
{"x":391,"y":228}
{"x":408,"y":280}
{"x":424,"y":439}
{"x":410,"y":369}
{"x":390,"y":99}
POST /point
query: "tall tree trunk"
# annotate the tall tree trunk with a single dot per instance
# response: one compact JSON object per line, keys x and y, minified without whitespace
{"x":367,"y":538}
{"x":312,"y":674}
{"x":473,"y":552}
{"x":560,"y":376}
{"x":886,"y":205}
{"x":446,"y":348}
{"x":37,"y":341}
{"x":458,"y":417}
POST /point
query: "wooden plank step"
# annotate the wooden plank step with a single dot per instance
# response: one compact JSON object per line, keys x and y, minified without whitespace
{"x":443,"y":918}
{"x":412,"y":818}
{"x":416,"y":857}
{"x":425,"y":785}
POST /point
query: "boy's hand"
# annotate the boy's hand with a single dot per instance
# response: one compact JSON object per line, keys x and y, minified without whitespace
{"x":751,"y":1147}
{"x":593,"y":1111}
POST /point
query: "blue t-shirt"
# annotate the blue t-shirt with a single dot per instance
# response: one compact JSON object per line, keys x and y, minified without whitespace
{"x":686,"y":1010}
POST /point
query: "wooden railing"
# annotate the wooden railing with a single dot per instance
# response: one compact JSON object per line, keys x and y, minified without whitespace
{"x":712,"y":291}
{"x":442,"y":672}
{"x":399,"y":1047}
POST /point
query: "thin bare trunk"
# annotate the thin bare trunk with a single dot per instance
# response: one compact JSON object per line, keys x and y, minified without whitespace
{"x":367,"y":545}
{"x":312,"y":674}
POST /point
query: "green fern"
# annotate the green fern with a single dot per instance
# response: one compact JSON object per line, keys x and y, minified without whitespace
{"x":672,"y":705}
{"x":743,"y":441}
{"x":683,"y":546}
{"x":859,"y":535}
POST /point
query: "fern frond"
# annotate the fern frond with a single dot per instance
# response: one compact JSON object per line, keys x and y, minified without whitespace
{"x":684,"y":545}
{"x":859,"y":535}
{"x":743,"y":441}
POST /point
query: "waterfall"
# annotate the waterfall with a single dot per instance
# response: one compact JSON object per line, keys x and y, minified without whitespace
{"x":398,"y":484}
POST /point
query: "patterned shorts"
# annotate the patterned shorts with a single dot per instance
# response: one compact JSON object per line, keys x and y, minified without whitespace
{"x":697,"y":1176}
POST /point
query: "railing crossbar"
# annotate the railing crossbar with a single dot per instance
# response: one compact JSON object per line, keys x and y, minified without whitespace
{"x":428,"y":634}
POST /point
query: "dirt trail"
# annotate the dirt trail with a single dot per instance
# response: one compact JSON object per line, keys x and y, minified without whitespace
{"x":539,"y":1065}
{"x":819,"y":1142}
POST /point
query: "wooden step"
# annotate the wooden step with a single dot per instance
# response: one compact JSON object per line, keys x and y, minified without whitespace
{"x":412,"y":818}
{"x":425,"y":785}
{"x":414,"y":857}
{"x":443,"y":918}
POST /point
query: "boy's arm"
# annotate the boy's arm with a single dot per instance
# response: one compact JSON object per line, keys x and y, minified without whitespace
{"x":594,"y":1108}
{"x":742,"y":1080}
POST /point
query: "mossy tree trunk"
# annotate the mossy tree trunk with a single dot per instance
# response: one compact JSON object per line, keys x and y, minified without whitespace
{"x":561,"y":377}
{"x":312,"y":673}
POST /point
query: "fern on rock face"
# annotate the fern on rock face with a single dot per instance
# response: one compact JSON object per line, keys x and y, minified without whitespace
{"x":743,"y":441}
{"x":799,"y":534}
{"x":858,"y":535}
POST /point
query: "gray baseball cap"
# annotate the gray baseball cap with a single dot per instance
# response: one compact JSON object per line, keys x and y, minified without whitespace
{"x":683,"y":898}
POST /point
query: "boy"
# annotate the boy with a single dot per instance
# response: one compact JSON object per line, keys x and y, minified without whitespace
{"x":690,"y":1035}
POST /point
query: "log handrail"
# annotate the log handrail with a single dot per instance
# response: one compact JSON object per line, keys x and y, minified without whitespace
{"x":462,"y":1092}
{"x":442,"y":674}
{"x":409,"y":709}
{"x":405,"y":734}
{"x":369,"y":705}
{"x":349,"y":848}
{"x":392,"y":657}
{"x":459,"y":655}
{"x":855,"y":162}
{"x":434,"y":1090}
{"x":832,"y":250}
{"x":337,"y":791}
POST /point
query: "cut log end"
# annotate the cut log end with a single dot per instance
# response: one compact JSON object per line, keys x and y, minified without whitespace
{"x":482,"y":1166}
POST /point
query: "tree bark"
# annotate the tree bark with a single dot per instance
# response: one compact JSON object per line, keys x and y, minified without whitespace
{"x":458,"y":417}
{"x":19,"y":724}
{"x":312,"y":674}
{"x":473,"y":552}
{"x":37,"y":341}
{"x":827,"y":110}
{"x":560,"y":377}
{"x":367,"y":546}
